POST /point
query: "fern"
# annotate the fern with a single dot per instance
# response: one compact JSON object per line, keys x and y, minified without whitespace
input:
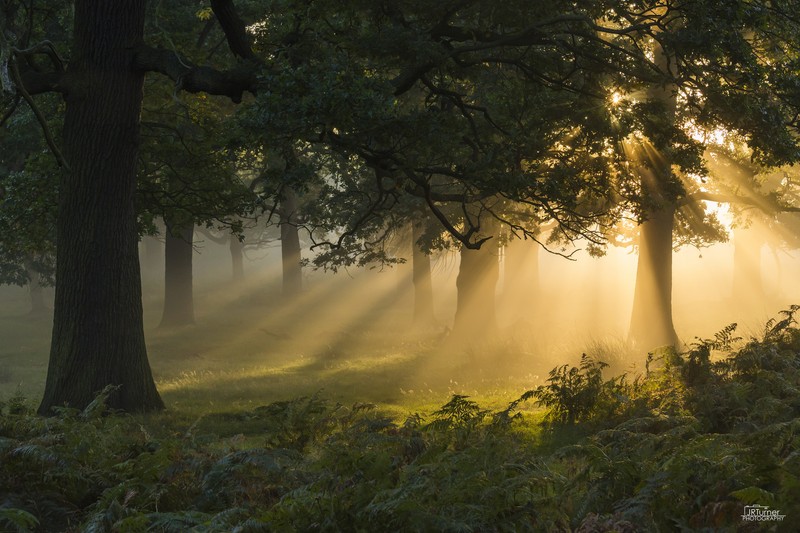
{"x":98,"y":406}
{"x":775,"y":328}
{"x":17,"y":520}
{"x":572,"y":393}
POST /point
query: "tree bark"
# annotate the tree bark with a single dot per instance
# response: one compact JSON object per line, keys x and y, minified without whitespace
{"x":178,"y":297}
{"x":421,"y":274}
{"x":98,"y":333}
{"x":290,"y":245}
{"x":478,"y":274}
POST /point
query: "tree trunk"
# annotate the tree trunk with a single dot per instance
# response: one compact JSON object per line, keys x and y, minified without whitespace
{"x":237,"y":258}
{"x":478,"y":274}
{"x":98,"y":333}
{"x":38,"y":307}
{"x":421,"y":275}
{"x":651,"y":320}
{"x":178,"y":297}
{"x":290,"y":246}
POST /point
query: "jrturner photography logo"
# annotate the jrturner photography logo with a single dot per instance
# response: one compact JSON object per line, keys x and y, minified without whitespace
{"x":761,"y":513}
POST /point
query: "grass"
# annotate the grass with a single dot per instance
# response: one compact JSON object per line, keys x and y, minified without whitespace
{"x":251,"y":350}
{"x":248,"y":349}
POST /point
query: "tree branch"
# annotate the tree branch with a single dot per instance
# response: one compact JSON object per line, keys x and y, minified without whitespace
{"x":48,"y":136}
{"x":195,"y":79}
{"x":235,"y":30}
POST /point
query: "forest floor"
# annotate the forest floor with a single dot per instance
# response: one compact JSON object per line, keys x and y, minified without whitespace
{"x":250,"y":350}
{"x":315,"y":419}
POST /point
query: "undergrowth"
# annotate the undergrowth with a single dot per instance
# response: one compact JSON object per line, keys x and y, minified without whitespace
{"x":685,"y":445}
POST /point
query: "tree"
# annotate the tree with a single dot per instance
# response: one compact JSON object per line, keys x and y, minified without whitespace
{"x":476,"y":109}
{"x":98,"y":336}
{"x":721,"y":67}
{"x":651,"y":322}
{"x":291,"y":258}
{"x":187,"y":178}
{"x":433,"y":105}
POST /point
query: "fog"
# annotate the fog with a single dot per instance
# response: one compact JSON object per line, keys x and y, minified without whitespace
{"x":574,"y":306}
{"x":353,"y":331}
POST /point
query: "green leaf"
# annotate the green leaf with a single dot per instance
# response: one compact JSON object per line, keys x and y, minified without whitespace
{"x":751,"y":495}
{"x":19,"y":518}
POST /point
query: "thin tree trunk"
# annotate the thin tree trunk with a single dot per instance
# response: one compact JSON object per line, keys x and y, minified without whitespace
{"x":476,"y":283}
{"x":290,"y":246}
{"x":178,"y":297}
{"x":98,"y":332}
{"x":421,"y":274}
{"x":237,"y":258}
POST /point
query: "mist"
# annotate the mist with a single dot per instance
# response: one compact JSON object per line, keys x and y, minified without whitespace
{"x":352,"y":333}
{"x":356,"y":327}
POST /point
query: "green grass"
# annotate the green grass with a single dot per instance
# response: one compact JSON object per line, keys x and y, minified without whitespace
{"x":251,"y":351}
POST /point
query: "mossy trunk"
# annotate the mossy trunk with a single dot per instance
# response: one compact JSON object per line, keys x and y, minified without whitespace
{"x":98,"y":333}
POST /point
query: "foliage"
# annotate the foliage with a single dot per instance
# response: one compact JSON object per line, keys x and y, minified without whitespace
{"x":28,"y":200}
{"x":701,"y":434}
{"x":727,"y":437}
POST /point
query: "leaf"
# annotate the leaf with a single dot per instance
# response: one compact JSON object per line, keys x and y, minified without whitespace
{"x":22,"y":520}
{"x":204,"y":13}
{"x":751,"y":495}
